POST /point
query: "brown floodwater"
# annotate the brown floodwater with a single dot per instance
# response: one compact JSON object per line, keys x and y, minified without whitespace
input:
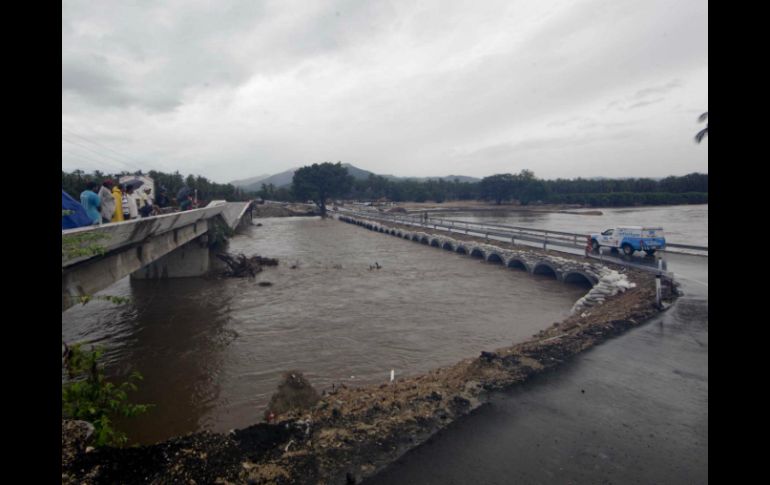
{"x":212,"y":350}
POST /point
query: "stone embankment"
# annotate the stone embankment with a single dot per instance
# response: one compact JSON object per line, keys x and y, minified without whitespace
{"x":351,"y":433}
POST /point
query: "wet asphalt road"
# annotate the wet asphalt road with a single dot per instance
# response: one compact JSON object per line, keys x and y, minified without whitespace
{"x":631,"y":410}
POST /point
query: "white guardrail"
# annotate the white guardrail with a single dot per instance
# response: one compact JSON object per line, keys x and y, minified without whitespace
{"x":512,"y":233}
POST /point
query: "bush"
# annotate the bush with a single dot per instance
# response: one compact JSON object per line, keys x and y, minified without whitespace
{"x":87,"y":395}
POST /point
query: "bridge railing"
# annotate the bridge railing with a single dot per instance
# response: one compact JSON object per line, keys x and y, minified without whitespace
{"x":116,"y":235}
{"x":514,"y":233}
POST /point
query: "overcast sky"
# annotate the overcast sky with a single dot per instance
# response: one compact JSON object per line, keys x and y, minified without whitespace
{"x":231,"y":90}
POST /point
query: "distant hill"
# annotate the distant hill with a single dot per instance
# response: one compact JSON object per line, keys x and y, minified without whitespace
{"x":357,"y":173}
{"x":284,"y":178}
{"x":278,"y":180}
{"x":249,"y":181}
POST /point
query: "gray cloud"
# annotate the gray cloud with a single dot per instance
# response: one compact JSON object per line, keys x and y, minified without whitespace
{"x":657,"y":90}
{"x":241,"y":88}
{"x":93,"y":81}
{"x":645,"y":103}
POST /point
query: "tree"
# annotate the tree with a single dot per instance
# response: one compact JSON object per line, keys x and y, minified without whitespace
{"x":527,"y":188}
{"x":320,"y":182}
{"x":705,"y":131}
{"x":498,"y":187}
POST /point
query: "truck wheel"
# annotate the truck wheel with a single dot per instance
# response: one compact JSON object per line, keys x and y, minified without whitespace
{"x":595,"y":245}
{"x":649,"y":252}
{"x":628,"y":250}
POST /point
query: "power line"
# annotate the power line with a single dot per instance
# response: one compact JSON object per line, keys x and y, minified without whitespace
{"x":83,"y":157}
{"x":100,"y":162}
{"x":126,"y":157}
{"x":115,"y":161}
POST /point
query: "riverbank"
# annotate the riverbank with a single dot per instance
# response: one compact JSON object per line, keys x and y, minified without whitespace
{"x":284,"y":210}
{"x":353,"y":432}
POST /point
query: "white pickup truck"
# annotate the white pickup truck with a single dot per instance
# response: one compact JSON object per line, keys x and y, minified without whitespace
{"x":630,"y":239}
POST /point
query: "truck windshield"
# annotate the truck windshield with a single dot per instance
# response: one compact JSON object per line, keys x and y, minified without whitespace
{"x":608,"y":232}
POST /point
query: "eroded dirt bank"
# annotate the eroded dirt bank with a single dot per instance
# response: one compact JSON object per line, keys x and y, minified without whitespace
{"x":353,"y":432}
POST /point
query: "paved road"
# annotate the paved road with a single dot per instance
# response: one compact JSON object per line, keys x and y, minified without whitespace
{"x":631,"y":410}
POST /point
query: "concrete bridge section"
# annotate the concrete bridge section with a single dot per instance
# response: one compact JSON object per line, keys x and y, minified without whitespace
{"x":563,"y":269}
{"x":167,"y":246}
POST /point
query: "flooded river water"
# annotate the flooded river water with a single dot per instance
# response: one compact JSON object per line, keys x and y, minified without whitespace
{"x":682,"y":224}
{"x":212,"y":350}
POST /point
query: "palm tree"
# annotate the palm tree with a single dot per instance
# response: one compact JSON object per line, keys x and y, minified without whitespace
{"x":705,"y":131}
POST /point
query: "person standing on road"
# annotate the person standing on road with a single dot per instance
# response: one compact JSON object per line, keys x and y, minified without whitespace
{"x":108,"y":201}
{"x":130,"y":201}
{"x":91,"y":202}
{"x":144,"y":202}
{"x":117,"y":195}
{"x":186,"y":204}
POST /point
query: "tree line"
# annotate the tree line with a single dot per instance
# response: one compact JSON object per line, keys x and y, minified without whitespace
{"x":522,"y":188}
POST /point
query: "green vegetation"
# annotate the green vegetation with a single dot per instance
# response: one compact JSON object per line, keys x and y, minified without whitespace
{"x":524,"y":188}
{"x":320,"y":182}
{"x":87,"y":395}
{"x":77,"y":245}
{"x":218,"y":234}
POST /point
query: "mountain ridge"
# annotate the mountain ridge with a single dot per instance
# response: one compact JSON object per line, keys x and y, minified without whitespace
{"x":284,"y":178}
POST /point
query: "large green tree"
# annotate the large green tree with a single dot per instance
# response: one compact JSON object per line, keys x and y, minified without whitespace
{"x":527,"y":188}
{"x":498,"y":187}
{"x":320,"y":182}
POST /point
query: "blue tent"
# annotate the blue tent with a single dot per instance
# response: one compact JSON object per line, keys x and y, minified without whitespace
{"x":78,"y":218}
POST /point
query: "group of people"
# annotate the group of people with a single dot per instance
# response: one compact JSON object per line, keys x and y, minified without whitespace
{"x":112,"y":202}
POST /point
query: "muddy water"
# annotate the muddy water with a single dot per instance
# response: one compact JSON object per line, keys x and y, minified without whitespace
{"x":212,"y":350}
{"x":683,"y":224}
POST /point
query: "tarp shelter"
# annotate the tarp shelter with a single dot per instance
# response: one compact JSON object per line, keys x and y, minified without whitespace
{"x":78,"y":218}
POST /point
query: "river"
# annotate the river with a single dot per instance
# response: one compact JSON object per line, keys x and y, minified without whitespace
{"x":212,"y":350}
{"x":685,"y":224}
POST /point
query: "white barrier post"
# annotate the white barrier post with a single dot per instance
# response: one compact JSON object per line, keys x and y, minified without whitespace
{"x":657,"y":290}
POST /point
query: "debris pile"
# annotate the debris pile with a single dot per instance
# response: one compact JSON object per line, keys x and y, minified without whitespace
{"x":240,"y":265}
{"x":294,"y":393}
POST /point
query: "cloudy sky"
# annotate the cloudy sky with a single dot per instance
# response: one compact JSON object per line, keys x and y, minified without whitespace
{"x":231,"y":90}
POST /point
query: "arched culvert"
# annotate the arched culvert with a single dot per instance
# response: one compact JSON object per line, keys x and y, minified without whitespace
{"x":407,"y":235}
{"x":517,"y":264}
{"x":477,"y":253}
{"x":382,"y":230}
{"x":435,"y":243}
{"x":392,"y":232}
{"x":462,"y":250}
{"x":545,"y":269}
{"x":415,"y":237}
{"x":448,"y":246}
{"x":399,"y":234}
{"x":495,"y":258}
{"x":424,"y":240}
{"x":579,"y":278}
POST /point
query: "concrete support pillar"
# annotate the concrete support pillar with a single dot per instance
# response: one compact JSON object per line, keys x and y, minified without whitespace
{"x":189,"y":260}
